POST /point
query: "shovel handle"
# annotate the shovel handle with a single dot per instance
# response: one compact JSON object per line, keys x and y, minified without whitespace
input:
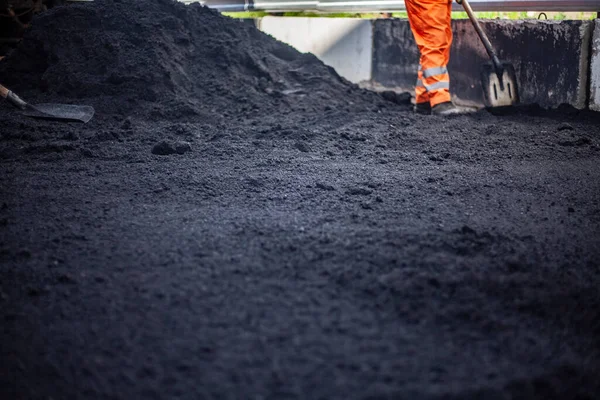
{"x":12,"y":98}
{"x":484,"y":39}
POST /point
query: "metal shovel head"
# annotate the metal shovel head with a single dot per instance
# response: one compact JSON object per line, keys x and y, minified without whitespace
{"x":499,"y":91}
{"x":64,"y":112}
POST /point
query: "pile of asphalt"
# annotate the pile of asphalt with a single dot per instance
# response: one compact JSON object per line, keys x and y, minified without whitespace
{"x":162,"y":59}
{"x":239,"y":222}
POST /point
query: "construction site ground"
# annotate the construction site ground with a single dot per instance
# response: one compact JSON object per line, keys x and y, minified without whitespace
{"x":263,"y":229}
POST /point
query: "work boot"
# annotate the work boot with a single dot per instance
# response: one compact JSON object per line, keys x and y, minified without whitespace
{"x":423,"y":108}
{"x":448,"y":108}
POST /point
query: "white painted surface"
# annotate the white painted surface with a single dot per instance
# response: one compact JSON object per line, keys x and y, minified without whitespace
{"x":595,"y":70}
{"x":342,"y":43}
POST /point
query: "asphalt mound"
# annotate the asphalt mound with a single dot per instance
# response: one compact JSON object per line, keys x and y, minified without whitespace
{"x":163,"y":59}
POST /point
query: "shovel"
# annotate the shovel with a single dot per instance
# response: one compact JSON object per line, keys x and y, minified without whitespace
{"x":498,"y":79}
{"x":60,"y":112}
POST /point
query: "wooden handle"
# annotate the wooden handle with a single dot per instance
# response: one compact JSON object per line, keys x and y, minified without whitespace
{"x":13,"y":98}
{"x":3,"y":91}
{"x":484,"y":39}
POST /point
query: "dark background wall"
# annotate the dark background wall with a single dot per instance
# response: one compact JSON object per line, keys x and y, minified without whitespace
{"x":551,"y":58}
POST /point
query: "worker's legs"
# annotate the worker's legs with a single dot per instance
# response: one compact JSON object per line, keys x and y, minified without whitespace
{"x":430,"y":24}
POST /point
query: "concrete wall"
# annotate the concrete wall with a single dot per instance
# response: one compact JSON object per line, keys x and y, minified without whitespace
{"x":595,"y":70}
{"x":343,"y":43}
{"x":552,"y":59}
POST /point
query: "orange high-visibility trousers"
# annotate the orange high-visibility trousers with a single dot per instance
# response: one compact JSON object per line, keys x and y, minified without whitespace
{"x":430,"y":24}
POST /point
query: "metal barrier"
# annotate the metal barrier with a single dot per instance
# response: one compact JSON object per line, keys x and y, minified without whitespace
{"x":328,"y":6}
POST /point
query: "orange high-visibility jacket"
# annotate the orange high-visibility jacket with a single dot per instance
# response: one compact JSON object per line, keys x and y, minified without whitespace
{"x":430,"y":24}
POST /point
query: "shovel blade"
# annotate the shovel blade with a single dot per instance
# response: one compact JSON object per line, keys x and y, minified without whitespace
{"x":499,"y":91}
{"x":62,"y":112}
